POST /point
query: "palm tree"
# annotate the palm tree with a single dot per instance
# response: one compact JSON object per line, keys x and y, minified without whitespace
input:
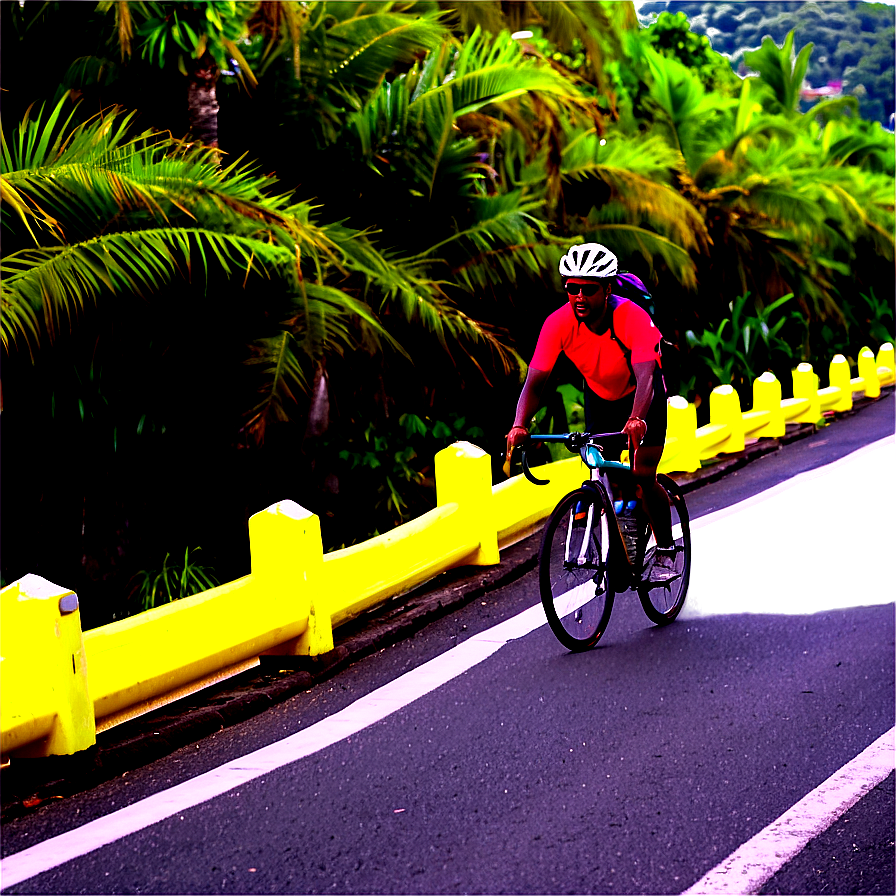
{"x":199,"y":39}
{"x":111,"y":215}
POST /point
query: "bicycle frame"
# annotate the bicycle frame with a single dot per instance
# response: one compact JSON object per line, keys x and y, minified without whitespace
{"x":589,"y":447}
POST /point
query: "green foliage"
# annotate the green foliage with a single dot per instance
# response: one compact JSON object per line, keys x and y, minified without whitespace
{"x":744,"y":344}
{"x":671,"y":35}
{"x":387,"y":469}
{"x":868,"y":320}
{"x":854,"y":41}
{"x":874,"y":316}
{"x":188,"y":31}
{"x":172,"y":581}
{"x":783,"y":72}
{"x":689,"y":112}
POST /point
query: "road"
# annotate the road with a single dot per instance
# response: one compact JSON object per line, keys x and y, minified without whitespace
{"x":480,"y":757}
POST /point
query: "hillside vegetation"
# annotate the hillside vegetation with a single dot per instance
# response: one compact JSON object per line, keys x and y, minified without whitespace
{"x":853,"y":40}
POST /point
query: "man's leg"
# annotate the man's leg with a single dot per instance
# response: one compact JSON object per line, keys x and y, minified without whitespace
{"x":653,"y":495}
{"x":647,"y":459}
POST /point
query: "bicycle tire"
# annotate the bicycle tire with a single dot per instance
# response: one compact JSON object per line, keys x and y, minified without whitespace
{"x":662,"y":602}
{"x":573,"y":575}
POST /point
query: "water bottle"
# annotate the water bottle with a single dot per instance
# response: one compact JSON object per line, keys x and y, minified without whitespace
{"x":628,"y":523}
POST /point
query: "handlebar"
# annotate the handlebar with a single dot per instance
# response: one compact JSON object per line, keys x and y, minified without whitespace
{"x":575,"y":442}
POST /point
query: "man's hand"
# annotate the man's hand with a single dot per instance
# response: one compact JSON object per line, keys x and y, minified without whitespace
{"x":635,"y":428}
{"x":516,"y":436}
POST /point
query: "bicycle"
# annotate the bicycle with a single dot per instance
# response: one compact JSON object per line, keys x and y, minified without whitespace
{"x":588,"y":554}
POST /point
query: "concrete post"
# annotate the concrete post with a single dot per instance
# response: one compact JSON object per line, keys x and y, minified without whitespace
{"x":724,"y":409}
{"x":464,"y":477}
{"x":44,"y":671}
{"x":682,"y":425}
{"x":886,"y":363}
{"x":287,"y":564}
{"x":767,"y":397}
{"x":840,"y":379}
{"x":805,"y":385}
{"x":868,"y":372}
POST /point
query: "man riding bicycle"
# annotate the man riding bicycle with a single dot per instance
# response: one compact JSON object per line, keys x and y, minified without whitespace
{"x":615,"y":345}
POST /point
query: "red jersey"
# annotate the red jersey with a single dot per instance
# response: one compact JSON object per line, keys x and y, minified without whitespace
{"x":598,"y":357}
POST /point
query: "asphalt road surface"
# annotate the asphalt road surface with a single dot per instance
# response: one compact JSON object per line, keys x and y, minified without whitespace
{"x":480,"y":757}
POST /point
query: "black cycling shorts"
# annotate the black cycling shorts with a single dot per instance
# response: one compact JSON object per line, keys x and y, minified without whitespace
{"x":610,"y":416}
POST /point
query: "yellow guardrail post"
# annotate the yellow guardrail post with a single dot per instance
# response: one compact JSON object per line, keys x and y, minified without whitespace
{"x":46,"y":706}
{"x":681,"y":426}
{"x":886,"y":364}
{"x":805,"y":385}
{"x":868,"y":373}
{"x":767,"y":397}
{"x":464,"y":476}
{"x":287,"y":558}
{"x":838,"y":376}
{"x":725,"y":410}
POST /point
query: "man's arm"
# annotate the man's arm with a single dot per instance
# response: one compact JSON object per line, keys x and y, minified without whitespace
{"x":636,"y":427}
{"x":530,"y":400}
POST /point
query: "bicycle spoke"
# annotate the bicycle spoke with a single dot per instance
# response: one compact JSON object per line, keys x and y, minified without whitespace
{"x":662,"y":600}
{"x":573,"y":570}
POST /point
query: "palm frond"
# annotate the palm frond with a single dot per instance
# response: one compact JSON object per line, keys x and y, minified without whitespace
{"x":485,"y":15}
{"x":639,"y":174}
{"x":492,"y":70}
{"x":687,"y":109}
{"x":41,"y":287}
{"x":282,"y":378}
{"x":326,"y":321}
{"x":380,"y":40}
{"x":781,"y":69}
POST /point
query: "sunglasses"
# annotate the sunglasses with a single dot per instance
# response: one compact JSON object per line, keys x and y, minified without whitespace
{"x":585,"y":289}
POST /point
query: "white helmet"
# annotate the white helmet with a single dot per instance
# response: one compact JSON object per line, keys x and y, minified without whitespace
{"x":589,"y":260}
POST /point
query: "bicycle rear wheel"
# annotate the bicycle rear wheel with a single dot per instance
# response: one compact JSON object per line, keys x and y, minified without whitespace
{"x":662,"y":601}
{"x":572,"y":569}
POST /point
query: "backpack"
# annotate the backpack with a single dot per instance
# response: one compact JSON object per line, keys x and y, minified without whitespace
{"x":629,"y":286}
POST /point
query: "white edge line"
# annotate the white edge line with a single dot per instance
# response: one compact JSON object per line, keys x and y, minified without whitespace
{"x":816,"y":472}
{"x":361,"y":714}
{"x":748,"y":868}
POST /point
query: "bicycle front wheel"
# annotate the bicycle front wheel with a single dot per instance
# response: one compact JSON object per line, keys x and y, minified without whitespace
{"x":662,"y":601}
{"x":572,"y":569}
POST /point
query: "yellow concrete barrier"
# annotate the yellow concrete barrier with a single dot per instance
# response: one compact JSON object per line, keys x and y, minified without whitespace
{"x":868,"y":373}
{"x":767,"y":399}
{"x":725,"y":433}
{"x":45,"y":706}
{"x":754,"y":421}
{"x":364,"y":575}
{"x":464,"y":477}
{"x":886,"y":364}
{"x":839,"y":378}
{"x":287,"y":566}
{"x":793,"y":408}
{"x":136,"y":661}
{"x":520,"y":507}
{"x":295,"y":595}
{"x":805,"y":386}
{"x":681,"y":429}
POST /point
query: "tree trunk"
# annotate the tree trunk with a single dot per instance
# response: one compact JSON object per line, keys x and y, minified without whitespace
{"x":202,"y":101}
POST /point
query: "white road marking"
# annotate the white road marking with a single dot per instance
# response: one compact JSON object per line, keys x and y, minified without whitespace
{"x":359,"y":715}
{"x":748,"y":868}
{"x":813,"y":543}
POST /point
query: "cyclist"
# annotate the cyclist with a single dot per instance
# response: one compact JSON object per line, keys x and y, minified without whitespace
{"x":616,"y":347}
